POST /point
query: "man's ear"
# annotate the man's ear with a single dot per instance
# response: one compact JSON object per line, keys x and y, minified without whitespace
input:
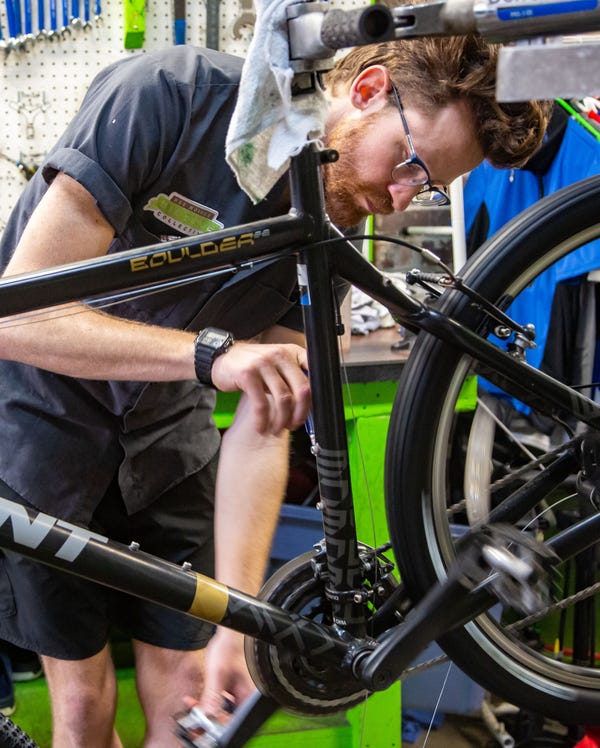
{"x":370,"y":88}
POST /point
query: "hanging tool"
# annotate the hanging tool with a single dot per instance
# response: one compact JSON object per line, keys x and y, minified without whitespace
{"x":212,"y":24}
{"x":86,"y":15}
{"x":29,"y":105}
{"x":41,"y":18}
{"x":66,"y":26}
{"x":13,"y":16}
{"x":53,"y":34}
{"x":27,"y":11}
{"x":27,"y":170}
{"x":246,"y":18}
{"x":18,"y":18}
{"x":134,"y":23}
{"x":3,"y":47}
{"x":179,"y":21}
{"x":29,"y":39}
{"x":11,"y":20}
{"x":76,"y":21}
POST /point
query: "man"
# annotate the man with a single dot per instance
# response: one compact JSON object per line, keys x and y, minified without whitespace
{"x":119,"y":435}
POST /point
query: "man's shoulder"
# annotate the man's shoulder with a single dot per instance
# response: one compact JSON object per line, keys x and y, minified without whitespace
{"x":181,"y":64}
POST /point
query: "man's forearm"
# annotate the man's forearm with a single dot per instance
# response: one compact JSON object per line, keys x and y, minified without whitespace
{"x":251,"y":483}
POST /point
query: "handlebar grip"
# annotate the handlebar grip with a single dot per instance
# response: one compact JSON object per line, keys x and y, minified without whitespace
{"x":342,"y":28}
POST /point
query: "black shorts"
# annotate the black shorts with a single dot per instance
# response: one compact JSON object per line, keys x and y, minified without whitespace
{"x":60,"y":615}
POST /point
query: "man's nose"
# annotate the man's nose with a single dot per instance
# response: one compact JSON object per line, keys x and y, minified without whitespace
{"x":401,"y":195}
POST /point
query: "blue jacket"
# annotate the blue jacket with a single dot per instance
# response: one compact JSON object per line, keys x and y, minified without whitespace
{"x":501,"y":194}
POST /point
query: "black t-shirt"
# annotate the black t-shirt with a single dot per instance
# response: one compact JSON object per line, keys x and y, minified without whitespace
{"x":149,"y":144}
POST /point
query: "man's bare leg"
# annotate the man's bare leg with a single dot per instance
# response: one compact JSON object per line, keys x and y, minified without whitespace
{"x":83,"y":694}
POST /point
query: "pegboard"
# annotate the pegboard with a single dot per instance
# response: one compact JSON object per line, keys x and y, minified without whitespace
{"x":42,"y":83}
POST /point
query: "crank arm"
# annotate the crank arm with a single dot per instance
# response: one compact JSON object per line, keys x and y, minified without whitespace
{"x":448,"y":605}
{"x":497,"y":562}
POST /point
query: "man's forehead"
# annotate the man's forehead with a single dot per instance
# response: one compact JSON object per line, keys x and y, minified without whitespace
{"x":446,"y":141}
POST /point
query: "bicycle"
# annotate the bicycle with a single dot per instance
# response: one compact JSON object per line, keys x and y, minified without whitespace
{"x":334,"y":624}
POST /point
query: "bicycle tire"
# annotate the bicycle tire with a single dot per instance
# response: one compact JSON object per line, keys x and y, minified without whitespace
{"x":419,"y":460}
{"x":12,"y":736}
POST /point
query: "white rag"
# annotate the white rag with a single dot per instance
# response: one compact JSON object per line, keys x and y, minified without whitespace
{"x":268,"y":126}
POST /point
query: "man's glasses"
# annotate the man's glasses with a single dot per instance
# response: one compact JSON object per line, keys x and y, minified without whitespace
{"x":413,"y":171}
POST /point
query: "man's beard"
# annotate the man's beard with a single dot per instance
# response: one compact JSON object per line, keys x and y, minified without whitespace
{"x":342,"y":181}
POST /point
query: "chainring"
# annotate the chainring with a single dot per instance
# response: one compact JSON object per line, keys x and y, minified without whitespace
{"x":300,"y":684}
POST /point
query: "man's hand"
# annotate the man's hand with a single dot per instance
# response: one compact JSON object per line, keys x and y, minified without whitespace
{"x":226,"y":674}
{"x":273,"y":377}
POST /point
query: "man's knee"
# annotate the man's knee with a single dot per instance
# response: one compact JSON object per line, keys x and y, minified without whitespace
{"x":82,"y":691}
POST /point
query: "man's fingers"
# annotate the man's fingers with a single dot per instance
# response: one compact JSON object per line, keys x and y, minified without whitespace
{"x":213,"y":704}
{"x":273,"y":377}
{"x":281,"y":401}
{"x":253,"y":385}
{"x":289,"y":396}
{"x":300,"y":388}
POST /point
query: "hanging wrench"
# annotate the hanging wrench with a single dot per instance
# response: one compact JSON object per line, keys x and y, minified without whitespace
{"x":41,"y":33}
{"x":246,"y":18}
{"x":66,"y":29}
{"x":3,"y":46}
{"x":86,"y":15}
{"x":76,"y":22}
{"x":28,"y":40}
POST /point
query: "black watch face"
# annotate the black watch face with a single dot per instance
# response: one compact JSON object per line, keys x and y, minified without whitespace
{"x":213,"y":338}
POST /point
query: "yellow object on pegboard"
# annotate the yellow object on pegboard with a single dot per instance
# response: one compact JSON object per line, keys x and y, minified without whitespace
{"x":134,"y":23}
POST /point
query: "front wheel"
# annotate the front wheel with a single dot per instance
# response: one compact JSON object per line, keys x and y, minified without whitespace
{"x":451,"y":460}
{"x":11,"y":735}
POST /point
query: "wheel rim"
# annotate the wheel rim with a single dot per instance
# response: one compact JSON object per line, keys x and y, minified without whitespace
{"x":559,"y":678}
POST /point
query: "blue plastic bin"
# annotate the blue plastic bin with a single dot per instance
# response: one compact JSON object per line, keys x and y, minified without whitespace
{"x":299,"y":528}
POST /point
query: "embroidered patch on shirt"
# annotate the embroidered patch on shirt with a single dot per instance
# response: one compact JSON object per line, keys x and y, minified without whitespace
{"x":183,"y":214}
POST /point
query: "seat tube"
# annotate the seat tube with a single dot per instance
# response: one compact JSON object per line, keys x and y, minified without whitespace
{"x":330,"y":445}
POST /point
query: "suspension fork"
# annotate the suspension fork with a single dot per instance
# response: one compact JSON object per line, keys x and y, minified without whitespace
{"x":329,"y":442}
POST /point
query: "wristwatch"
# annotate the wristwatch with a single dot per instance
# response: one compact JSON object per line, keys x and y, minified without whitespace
{"x":210,"y":343}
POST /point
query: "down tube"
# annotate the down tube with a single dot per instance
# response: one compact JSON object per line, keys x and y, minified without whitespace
{"x":331,"y":447}
{"x":79,"y":551}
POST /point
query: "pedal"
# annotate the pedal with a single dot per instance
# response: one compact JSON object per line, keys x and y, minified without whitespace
{"x":196,"y":730}
{"x":521,"y":567}
{"x":196,"y":721}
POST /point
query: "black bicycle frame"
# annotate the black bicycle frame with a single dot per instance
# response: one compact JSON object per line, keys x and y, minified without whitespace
{"x":322,"y":254}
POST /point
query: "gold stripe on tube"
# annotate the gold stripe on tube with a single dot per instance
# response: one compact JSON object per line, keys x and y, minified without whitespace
{"x":210,"y":600}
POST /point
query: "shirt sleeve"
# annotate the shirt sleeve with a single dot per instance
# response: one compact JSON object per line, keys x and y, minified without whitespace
{"x":124,"y":134}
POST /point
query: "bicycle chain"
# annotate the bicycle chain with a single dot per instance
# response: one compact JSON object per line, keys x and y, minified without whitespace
{"x":415,"y":669}
{"x":522,"y":623}
{"x":572,"y":599}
